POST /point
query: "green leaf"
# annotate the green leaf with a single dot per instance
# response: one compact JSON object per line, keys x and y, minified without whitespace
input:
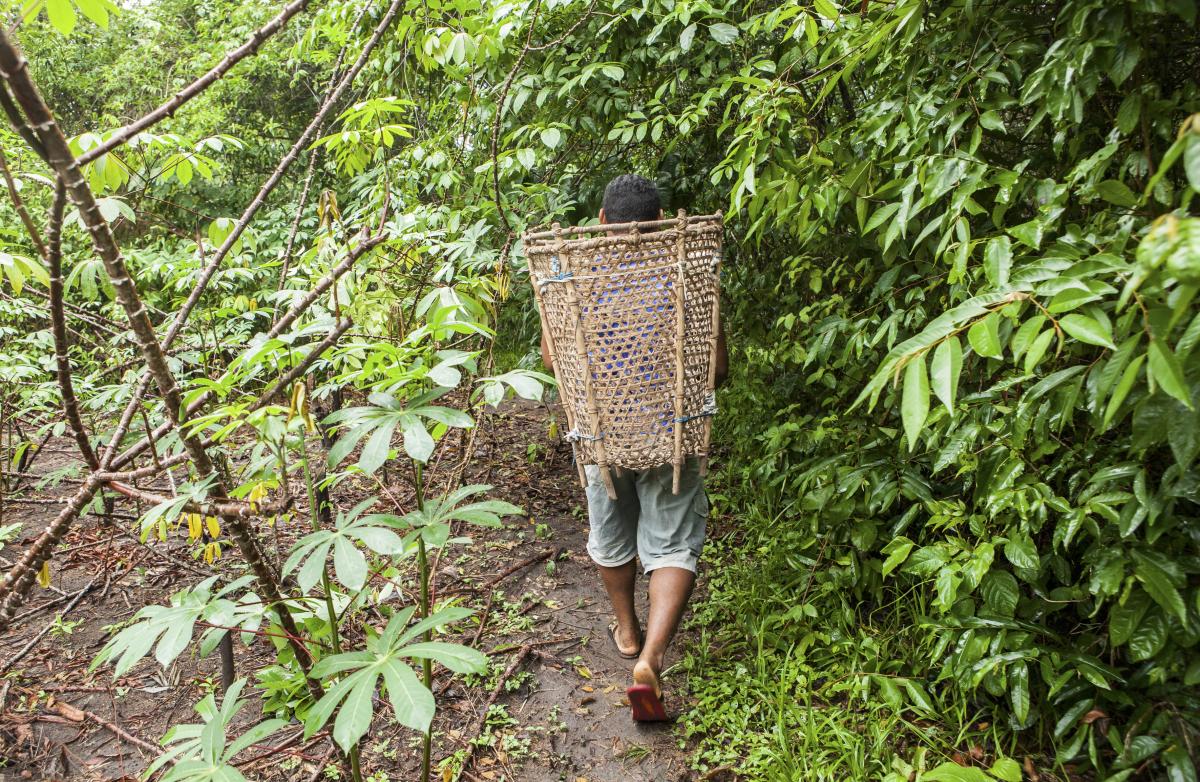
{"x":897,"y":551}
{"x":411,"y":701}
{"x":1018,"y":692}
{"x":551,"y":138}
{"x":354,"y":716}
{"x":379,"y":444}
{"x":1116,"y":192}
{"x":1124,"y":617}
{"x":62,"y":15}
{"x":1037,"y":350}
{"x":952,"y":772}
{"x":417,"y":442}
{"x":1006,"y":769}
{"x":984,"y":336}
{"x":1000,"y":592}
{"x":945,"y":369}
{"x":1149,"y":638}
{"x":1087,"y":329}
{"x":915,"y":405}
{"x":96,"y":10}
{"x":456,"y":657}
{"x":991,"y":120}
{"x":687,"y":36}
{"x":826,"y":9}
{"x":723,"y":33}
{"x":1158,"y":583}
{"x":1166,"y":371}
{"x":349,"y":564}
{"x":1023,"y":337}
{"x":1191,"y":160}
{"x":997,"y":260}
{"x":1021,"y":552}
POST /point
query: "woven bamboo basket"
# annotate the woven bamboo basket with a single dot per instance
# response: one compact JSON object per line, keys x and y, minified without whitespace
{"x":631,"y":317}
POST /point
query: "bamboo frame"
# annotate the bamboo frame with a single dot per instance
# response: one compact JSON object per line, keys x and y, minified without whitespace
{"x":553,"y":351}
{"x":680,"y":325}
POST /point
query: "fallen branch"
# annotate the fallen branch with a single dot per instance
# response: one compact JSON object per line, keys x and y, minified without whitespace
{"x":522,"y":653}
{"x":487,"y":585}
{"x":28,"y":647}
{"x":75,"y":714}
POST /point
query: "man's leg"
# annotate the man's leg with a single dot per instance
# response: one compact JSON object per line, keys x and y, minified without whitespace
{"x":612,"y":545}
{"x":670,"y":588}
{"x":619,"y":583}
{"x":670,"y":538}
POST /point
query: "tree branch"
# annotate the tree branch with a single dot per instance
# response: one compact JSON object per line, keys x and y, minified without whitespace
{"x":58,"y":327}
{"x":168,"y":108}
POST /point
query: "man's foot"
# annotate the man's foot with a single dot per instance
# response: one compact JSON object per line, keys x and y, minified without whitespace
{"x":645,"y":695}
{"x":628,"y":643}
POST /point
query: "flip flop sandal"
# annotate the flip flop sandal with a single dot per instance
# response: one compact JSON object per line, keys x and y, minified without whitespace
{"x":612,"y":634}
{"x":645,"y":700}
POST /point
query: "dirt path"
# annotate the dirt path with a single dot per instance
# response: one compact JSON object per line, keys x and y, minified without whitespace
{"x":559,"y":715}
{"x":574,"y":703}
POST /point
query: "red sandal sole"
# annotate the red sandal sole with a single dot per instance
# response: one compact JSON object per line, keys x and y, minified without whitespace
{"x":646,"y":706}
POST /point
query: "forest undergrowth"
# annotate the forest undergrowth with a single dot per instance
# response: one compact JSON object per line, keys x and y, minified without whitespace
{"x":256,"y":255}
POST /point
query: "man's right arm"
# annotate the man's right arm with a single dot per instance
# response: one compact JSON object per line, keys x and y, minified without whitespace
{"x":547,"y":359}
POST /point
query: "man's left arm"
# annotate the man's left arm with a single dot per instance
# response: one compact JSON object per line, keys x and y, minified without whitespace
{"x":722,"y":354}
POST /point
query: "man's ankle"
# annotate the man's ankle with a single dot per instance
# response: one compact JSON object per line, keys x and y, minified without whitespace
{"x":654,"y":660}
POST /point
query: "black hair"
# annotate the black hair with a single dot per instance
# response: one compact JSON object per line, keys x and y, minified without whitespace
{"x":629,"y":198}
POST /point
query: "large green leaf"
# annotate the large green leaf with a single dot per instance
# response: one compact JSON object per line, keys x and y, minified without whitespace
{"x":1086,"y":329}
{"x":1167,"y":372}
{"x":915,"y":405}
{"x":984,"y":336}
{"x":945,"y":369}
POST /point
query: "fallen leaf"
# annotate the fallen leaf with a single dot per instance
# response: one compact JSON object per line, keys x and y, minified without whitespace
{"x":588,"y":688}
{"x":583,"y":671}
{"x":1093,"y":715}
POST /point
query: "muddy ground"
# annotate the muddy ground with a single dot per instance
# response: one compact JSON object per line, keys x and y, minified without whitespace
{"x":559,"y":714}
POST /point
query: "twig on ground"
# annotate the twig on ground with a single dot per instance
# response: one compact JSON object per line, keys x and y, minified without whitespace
{"x":487,"y":585}
{"x":525,"y":651}
{"x":322,"y":763}
{"x":16,"y":658}
{"x":75,"y":714}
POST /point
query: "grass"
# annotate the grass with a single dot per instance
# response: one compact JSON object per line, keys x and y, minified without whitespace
{"x":797,"y":675}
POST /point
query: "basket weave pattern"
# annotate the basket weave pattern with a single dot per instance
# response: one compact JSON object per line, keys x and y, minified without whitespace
{"x":631,"y":318}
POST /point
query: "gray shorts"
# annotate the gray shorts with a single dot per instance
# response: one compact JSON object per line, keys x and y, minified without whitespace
{"x":647,"y":520}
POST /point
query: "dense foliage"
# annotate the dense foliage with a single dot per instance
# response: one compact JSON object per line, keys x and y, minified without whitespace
{"x":960,"y":444}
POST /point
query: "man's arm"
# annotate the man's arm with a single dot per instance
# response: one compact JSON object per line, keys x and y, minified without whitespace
{"x":547,"y":359}
{"x":722,"y":354}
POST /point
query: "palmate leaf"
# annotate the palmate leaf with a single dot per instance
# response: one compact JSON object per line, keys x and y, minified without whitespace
{"x":169,"y":629}
{"x":351,"y":533}
{"x":202,"y":751}
{"x":384,"y":662}
{"x":378,"y":423}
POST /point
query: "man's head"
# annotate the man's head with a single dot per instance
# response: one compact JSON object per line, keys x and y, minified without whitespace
{"x":630,"y":198}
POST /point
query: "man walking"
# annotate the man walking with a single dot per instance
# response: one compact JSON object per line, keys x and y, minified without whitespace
{"x":646,"y":521}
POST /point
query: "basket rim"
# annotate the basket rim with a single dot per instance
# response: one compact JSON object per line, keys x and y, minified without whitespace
{"x":539,"y":234}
